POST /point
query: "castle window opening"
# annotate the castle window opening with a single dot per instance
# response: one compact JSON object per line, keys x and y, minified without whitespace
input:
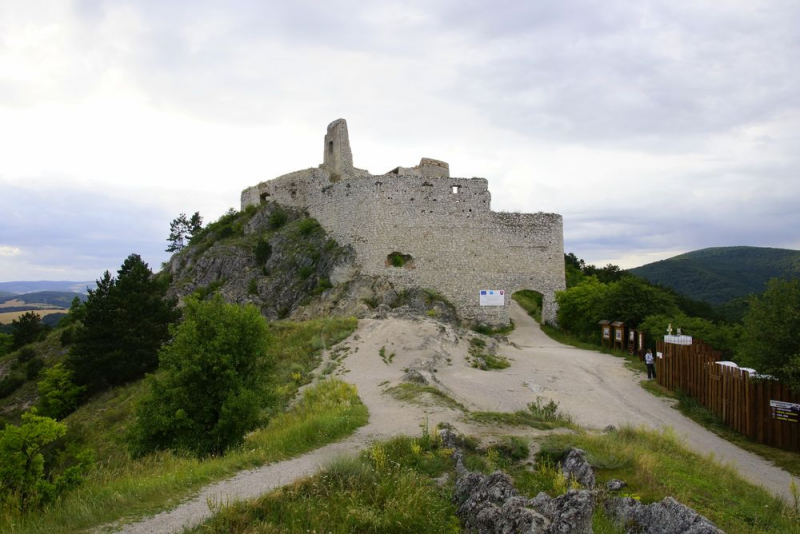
{"x":455,"y":189}
{"x":264,"y":197}
{"x":330,"y":147}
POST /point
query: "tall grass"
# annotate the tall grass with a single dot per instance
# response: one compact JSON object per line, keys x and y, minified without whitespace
{"x":388,"y":489}
{"x":326,"y":412}
{"x":538,"y":415}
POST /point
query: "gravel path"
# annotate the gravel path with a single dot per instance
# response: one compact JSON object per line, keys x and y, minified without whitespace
{"x":595,"y":388}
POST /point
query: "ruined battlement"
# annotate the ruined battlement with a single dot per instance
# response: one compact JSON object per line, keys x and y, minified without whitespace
{"x":458,"y":245}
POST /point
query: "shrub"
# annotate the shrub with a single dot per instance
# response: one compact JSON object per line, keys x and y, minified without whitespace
{"x":308,"y":226}
{"x":21,"y":460}
{"x":33,"y":367}
{"x":252,"y":286}
{"x":67,"y":336}
{"x":58,"y":393}
{"x":218,"y":350}
{"x":10,"y":383}
{"x":278,"y":218}
{"x":262,"y":250}
{"x":6,"y":341}
{"x":25,"y":354}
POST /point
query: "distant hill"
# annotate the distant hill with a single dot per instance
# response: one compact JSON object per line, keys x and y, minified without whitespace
{"x":5,"y":294}
{"x":44,"y":285}
{"x":61,"y":299}
{"x":44,"y":303}
{"x":720,"y":275}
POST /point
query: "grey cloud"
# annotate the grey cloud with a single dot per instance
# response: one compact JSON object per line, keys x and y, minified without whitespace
{"x":80,"y":232}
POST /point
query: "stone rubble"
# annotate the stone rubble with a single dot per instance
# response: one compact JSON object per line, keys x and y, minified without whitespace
{"x":489,"y":504}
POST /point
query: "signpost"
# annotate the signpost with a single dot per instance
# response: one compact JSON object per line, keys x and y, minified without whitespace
{"x":785,"y":411}
{"x":493,"y":297}
{"x":605,"y":325}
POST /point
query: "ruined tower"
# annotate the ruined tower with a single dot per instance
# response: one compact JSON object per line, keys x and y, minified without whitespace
{"x":338,"y":159}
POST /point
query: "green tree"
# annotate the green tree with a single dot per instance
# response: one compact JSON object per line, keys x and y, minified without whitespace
{"x":208,"y":392}
{"x":581,"y":307}
{"x":125,"y":321}
{"x":6,"y":342}
{"x":58,"y":393}
{"x":182,"y":229}
{"x":21,"y":459}
{"x":771,"y":340}
{"x":573,"y":270}
{"x":28,"y":328}
{"x":631,"y":299}
{"x":723,"y":337}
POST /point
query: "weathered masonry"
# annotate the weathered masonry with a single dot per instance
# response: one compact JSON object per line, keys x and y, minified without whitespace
{"x":419,"y":227}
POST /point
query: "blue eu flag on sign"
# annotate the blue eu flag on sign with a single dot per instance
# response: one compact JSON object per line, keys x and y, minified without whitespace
{"x":483,"y":292}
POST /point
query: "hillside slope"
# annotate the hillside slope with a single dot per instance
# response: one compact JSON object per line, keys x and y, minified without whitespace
{"x":44,"y":285}
{"x":719,"y":275}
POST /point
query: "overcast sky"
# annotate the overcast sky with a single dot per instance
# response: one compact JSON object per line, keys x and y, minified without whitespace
{"x":653,"y":127}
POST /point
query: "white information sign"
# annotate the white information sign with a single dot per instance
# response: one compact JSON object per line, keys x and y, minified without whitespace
{"x":493,"y":297}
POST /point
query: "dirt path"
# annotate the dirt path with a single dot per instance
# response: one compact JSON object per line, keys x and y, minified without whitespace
{"x":595,"y":388}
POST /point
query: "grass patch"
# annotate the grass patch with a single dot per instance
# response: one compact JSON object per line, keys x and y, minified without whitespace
{"x":296,"y":347}
{"x":387,"y":358}
{"x":538,"y":415}
{"x":487,"y":330}
{"x":656,"y":465}
{"x":387,"y":489}
{"x":419,"y":394}
{"x":531,"y":302}
{"x":326,"y":413}
{"x":479,"y":359}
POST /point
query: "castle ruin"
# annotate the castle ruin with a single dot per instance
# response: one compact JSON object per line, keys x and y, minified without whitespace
{"x":418,"y":227}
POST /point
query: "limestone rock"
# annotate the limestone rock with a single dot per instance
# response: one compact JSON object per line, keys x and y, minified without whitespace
{"x":615,"y":485}
{"x":570,"y":513}
{"x":665,"y":517}
{"x":575,"y":466}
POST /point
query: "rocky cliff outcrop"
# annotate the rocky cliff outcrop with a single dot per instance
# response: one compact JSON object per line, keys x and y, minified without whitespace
{"x":284,"y":262}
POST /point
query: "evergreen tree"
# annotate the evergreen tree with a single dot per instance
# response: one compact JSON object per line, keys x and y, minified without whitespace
{"x":27,"y":328}
{"x":125,"y":321}
{"x":195,"y":224}
{"x":181,"y":230}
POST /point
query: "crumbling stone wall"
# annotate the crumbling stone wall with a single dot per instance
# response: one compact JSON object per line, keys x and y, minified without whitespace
{"x":457,"y":245}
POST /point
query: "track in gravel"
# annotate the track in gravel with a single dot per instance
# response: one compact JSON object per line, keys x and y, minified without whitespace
{"x":595,"y":388}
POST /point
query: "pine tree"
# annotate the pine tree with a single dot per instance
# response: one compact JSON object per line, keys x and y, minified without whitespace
{"x":181,"y":230}
{"x":27,"y":328}
{"x":125,"y":321}
{"x":178,"y":230}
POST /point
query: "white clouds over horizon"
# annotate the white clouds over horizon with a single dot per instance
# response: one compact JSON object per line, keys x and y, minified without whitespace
{"x":654,"y":128}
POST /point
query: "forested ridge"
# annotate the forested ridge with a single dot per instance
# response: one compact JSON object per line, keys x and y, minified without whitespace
{"x":721,"y":275}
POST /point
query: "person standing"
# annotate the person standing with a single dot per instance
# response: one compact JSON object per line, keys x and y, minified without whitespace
{"x":650,"y":363}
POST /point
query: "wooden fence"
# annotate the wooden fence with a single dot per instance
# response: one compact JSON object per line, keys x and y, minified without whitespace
{"x":743,"y":403}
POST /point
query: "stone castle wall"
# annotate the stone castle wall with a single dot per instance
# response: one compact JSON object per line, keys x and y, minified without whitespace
{"x":457,"y":245}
